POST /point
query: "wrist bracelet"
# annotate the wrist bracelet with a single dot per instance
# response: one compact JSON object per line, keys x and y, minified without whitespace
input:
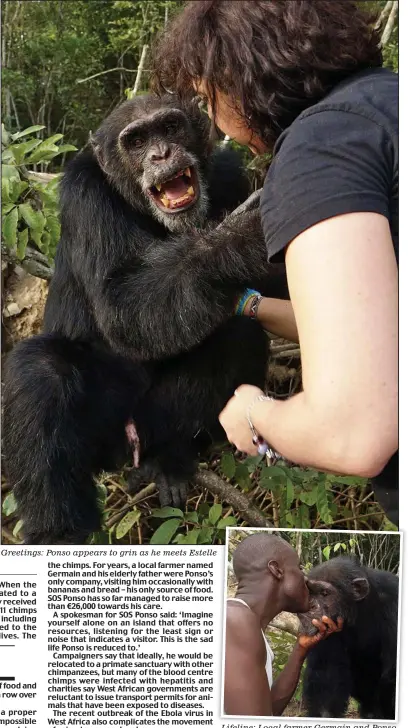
{"x":253,"y":309}
{"x":243,"y":300}
{"x":262,"y":445}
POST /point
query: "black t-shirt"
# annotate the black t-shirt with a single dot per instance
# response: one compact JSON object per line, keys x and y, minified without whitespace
{"x":338,"y":156}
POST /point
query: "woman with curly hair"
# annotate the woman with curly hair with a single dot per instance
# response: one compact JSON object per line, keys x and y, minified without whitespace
{"x":303,"y":79}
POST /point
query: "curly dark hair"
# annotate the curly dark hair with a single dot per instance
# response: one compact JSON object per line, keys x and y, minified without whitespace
{"x":275,"y":57}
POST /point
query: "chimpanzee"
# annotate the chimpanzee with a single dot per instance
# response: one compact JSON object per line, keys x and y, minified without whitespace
{"x":140,"y":349}
{"x":359,"y":661}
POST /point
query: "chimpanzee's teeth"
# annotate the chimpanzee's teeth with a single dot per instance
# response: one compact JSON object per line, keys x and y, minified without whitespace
{"x":158,"y":187}
{"x":165,"y":200}
{"x":187,"y":172}
{"x":191,"y":191}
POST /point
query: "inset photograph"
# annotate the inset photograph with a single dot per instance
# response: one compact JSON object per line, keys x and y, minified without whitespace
{"x":311,"y":623}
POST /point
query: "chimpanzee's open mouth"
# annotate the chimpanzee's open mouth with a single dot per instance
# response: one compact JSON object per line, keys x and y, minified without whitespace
{"x":178,"y":192}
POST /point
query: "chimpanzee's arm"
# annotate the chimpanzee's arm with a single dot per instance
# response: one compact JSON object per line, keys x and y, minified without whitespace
{"x":181,"y":290}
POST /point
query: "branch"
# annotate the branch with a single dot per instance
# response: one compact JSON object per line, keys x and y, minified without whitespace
{"x":101,"y":73}
{"x":390,"y":24}
{"x":233,"y":496}
{"x":385,"y":11}
{"x":140,"y":69}
{"x":287,"y":622}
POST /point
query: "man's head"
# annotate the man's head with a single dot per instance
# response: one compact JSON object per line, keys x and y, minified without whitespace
{"x":266,"y":561}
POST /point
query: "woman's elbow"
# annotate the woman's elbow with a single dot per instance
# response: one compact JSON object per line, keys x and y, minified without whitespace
{"x":367,"y":452}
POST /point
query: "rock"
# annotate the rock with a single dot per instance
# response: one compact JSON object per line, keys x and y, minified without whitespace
{"x":23,"y":306}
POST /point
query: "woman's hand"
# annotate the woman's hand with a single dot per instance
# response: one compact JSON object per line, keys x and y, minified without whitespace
{"x":326,"y":627}
{"x":233,"y":418}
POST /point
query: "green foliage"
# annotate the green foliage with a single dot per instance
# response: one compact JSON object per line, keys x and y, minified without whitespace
{"x":204,"y":526}
{"x":29,"y":209}
{"x":302,"y":497}
{"x":9,"y":504}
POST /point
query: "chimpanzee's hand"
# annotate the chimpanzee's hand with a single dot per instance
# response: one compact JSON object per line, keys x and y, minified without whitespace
{"x":326,"y":627}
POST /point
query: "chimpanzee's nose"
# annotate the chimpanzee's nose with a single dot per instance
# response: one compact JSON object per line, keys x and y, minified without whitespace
{"x":160,"y":153}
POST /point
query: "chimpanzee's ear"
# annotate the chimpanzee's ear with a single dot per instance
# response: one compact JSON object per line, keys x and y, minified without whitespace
{"x":361,"y":588}
{"x":275,"y":570}
{"x":97,"y":150}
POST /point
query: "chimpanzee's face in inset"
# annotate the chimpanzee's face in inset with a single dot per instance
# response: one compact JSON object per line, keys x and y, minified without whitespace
{"x":152,"y":151}
{"x":337,"y":598}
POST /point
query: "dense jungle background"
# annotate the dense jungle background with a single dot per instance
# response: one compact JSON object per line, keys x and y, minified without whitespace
{"x":65,"y":66}
{"x":376,"y":551}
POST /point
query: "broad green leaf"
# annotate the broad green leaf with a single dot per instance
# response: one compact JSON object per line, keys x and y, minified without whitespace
{"x":35,"y":235}
{"x":9,"y":171}
{"x":17,"y":528}
{"x":7,"y":208}
{"x":326,"y":552}
{"x":323,"y":505}
{"x":67,"y":148}
{"x":52,"y":139}
{"x":252,"y":462}
{"x":215,"y":513}
{"x":388,"y":526}
{"x":5,"y":192}
{"x":20,"y":151}
{"x":204,"y":509}
{"x":227,"y":522}
{"x":7,"y":156}
{"x":34,"y":218}
{"x":52,"y":185}
{"x":190,"y":537}
{"x":205,"y":535}
{"x":45,"y":241}
{"x":48,"y":197}
{"x":303,"y":515}
{"x":191,"y":517}
{"x":9,"y":228}
{"x":242,"y":476}
{"x":9,"y":504}
{"x":308,"y":496}
{"x":22,"y":241}
{"x":5,"y":136}
{"x":127,"y":522}
{"x":290,"y":493}
{"x":228,"y":465}
{"x":336,"y":547}
{"x":17,"y":187}
{"x":26,"y":132}
{"x":167,"y":512}
{"x":165,"y":532}
{"x":289,"y":519}
{"x":273,"y":473}
{"x":44,"y":152}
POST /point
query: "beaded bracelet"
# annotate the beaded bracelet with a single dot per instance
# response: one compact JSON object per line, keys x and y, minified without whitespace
{"x":253,"y":309}
{"x":242,"y":302}
{"x":258,"y":440}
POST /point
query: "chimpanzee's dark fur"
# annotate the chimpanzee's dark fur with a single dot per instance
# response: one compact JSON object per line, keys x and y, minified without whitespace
{"x":359,"y":661}
{"x":138,"y":323}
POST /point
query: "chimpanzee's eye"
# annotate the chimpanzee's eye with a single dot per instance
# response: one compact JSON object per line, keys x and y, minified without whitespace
{"x":325,"y":593}
{"x":172,"y":127}
{"x":136,"y":142}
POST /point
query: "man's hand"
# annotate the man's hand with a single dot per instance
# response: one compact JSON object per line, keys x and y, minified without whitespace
{"x":326,"y":627}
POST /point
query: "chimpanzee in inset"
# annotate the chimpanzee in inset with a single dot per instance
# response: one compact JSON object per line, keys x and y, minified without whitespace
{"x":140,"y":349}
{"x":360,"y":661}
